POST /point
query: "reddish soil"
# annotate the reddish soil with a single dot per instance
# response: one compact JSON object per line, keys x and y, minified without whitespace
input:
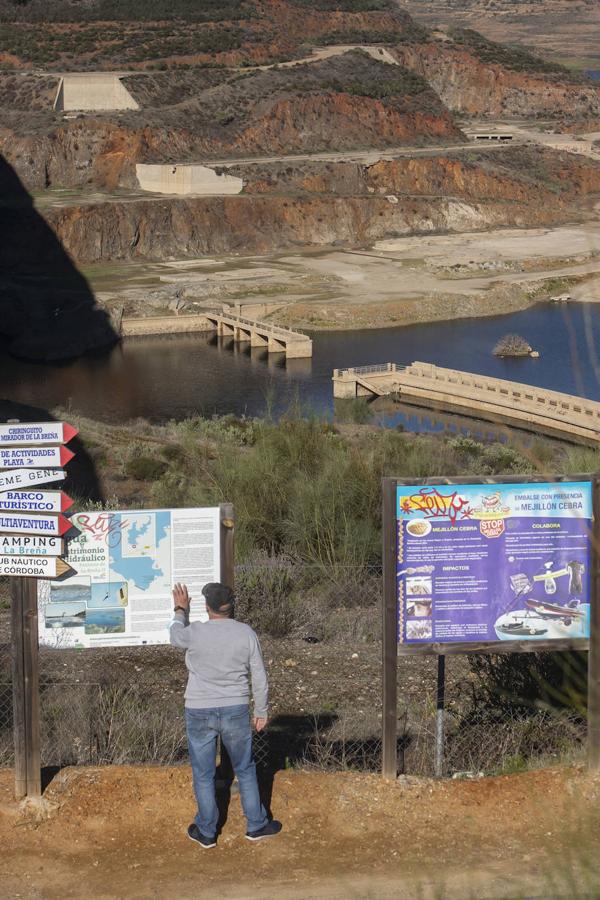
{"x":119,"y":832}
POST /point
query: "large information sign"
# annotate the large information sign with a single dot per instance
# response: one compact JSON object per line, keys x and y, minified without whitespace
{"x":126,"y":564}
{"x":493,"y":562}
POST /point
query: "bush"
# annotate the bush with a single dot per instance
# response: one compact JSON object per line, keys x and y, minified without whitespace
{"x":145,"y":468}
{"x":512,"y":345}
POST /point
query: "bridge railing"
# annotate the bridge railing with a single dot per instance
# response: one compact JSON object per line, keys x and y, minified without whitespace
{"x":380,"y":369}
{"x":261,"y":326}
{"x":564,"y":408}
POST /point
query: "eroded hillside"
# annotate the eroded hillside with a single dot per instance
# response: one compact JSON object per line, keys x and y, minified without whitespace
{"x":319,"y":204}
{"x":344,"y":102}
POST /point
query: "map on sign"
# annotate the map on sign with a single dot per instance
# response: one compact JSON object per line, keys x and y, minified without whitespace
{"x":142,"y":557}
{"x":126,"y":563}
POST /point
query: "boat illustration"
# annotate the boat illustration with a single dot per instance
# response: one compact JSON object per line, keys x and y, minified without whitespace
{"x":545,"y":610}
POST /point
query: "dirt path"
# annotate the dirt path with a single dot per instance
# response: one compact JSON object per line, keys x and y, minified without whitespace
{"x":119,"y":832}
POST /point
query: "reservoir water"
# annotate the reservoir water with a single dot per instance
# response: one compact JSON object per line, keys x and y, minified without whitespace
{"x":163,"y":378}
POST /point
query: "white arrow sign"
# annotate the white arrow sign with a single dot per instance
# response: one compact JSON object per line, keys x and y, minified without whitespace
{"x":34,"y":566}
{"x":36,"y":433}
{"x":35,"y":501}
{"x":34,"y":456}
{"x":34,"y":545}
{"x":15,"y":523}
{"x":25,"y":478}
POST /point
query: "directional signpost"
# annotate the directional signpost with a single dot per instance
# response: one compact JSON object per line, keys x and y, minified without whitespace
{"x":32,"y":457}
{"x":23,"y":544}
{"x":35,"y":501}
{"x":25,"y":478}
{"x":34,"y":566}
{"x":36,"y":433}
{"x":17,"y":523}
{"x":31,"y":525}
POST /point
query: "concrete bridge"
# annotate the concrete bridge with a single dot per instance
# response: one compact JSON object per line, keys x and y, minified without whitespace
{"x":260,"y":334}
{"x":557,"y":415}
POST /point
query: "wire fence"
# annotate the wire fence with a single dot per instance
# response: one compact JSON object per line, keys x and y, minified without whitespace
{"x":321,"y":640}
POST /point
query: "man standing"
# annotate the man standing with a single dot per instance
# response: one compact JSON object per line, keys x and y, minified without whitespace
{"x":221,"y":656}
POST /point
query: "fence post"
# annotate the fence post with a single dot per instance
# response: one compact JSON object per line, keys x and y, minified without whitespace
{"x":593,"y":699}
{"x":390,"y":633}
{"x":26,"y":702}
{"x":227,"y":521}
{"x":439,"y":715}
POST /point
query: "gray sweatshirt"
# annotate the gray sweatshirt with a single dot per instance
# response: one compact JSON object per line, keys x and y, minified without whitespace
{"x":221,"y":656}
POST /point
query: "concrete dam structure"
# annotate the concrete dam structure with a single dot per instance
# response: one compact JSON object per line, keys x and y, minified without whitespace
{"x":173,"y":178}
{"x":557,"y":415}
{"x":93,"y":91}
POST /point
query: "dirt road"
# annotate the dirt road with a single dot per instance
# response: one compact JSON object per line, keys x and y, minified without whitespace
{"x":119,"y":832}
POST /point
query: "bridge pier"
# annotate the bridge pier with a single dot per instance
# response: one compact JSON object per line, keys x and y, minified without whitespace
{"x":257,"y":340}
{"x":273,"y":338}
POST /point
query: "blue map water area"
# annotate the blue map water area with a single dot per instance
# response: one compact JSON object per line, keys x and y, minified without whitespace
{"x":141,"y":569}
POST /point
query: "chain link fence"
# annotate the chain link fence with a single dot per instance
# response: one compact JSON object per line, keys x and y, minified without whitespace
{"x":320,"y":631}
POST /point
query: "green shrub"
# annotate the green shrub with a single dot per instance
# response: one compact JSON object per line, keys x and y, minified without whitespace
{"x":145,"y":468}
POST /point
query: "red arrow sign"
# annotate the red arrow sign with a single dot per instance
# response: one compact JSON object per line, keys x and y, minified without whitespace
{"x":65,"y":455}
{"x":64,"y":524}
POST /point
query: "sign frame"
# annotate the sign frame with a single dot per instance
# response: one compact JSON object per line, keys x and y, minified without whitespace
{"x":391,"y":648}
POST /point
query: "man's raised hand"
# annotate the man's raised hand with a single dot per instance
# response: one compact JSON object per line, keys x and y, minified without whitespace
{"x":181,"y":596}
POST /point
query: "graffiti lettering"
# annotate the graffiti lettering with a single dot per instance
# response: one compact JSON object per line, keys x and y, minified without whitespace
{"x":435,"y":505}
{"x":105,"y":527}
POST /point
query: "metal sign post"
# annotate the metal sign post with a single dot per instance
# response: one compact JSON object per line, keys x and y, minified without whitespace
{"x":439,"y":716}
{"x":593,"y":699}
{"x":390,"y":633}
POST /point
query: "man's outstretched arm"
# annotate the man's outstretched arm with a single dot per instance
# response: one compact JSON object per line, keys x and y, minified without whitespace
{"x":179,"y":630}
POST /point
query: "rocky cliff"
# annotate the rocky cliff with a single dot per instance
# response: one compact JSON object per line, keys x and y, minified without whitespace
{"x":466,"y":84}
{"x":258,"y":224}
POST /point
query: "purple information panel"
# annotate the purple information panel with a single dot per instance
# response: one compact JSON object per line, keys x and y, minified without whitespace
{"x":493,"y":562}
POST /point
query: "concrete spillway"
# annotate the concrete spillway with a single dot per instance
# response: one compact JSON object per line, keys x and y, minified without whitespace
{"x":93,"y":92}
{"x":186,"y":179}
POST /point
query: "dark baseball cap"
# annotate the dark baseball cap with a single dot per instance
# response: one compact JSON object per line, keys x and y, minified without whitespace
{"x":219,"y":597}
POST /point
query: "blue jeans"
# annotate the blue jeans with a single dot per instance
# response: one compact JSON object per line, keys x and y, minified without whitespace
{"x":232,"y":723}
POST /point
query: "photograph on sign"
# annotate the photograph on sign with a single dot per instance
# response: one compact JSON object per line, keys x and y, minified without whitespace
{"x":493,"y":562}
{"x":126,"y":564}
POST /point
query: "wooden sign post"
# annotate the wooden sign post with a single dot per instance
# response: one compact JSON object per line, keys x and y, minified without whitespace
{"x":30,"y":545}
{"x":25,"y":672}
{"x":227,"y":523}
